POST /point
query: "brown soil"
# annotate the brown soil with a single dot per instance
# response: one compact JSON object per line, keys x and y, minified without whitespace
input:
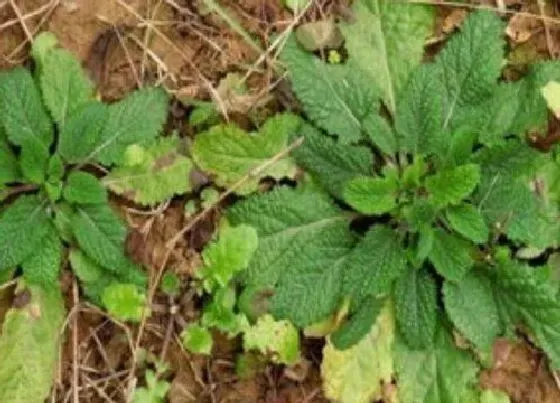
{"x":129,"y":43}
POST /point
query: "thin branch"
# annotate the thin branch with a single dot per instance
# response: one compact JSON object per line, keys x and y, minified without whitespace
{"x":19,"y":16}
{"x":75,"y":349}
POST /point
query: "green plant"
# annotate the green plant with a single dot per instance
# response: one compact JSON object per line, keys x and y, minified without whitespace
{"x":156,"y":389}
{"x":224,"y":260}
{"x":54,"y":138}
{"x":445,"y":194}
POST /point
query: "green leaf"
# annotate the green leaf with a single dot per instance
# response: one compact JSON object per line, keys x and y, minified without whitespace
{"x":197,"y":339}
{"x":23,"y":225}
{"x":280,"y":339}
{"x":29,"y":347}
{"x":450,"y":255}
{"x":511,"y":207}
{"x":170,"y":284}
{"x":531,"y":114}
{"x":336,"y":97}
{"x":416,"y":308}
{"x":151,"y":175}
{"x":492,"y":118}
{"x":25,"y":121}
{"x":84,"y":188}
{"x":229,"y":255}
{"x":370,"y":195}
{"x":419,"y":117}
{"x":509,"y":159}
{"x":380,"y":134}
{"x":43,"y":266}
{"x":124,"y":302}
{"x":358,"y":325}
{"x":470,"y":64}
{"x":219,"y":313}
{"x":425,"y":243}
{"x":453,"y":185}
{"x":231,"y":154}
{"x":304,"y":240}
{"x":101,"y":235}
{"x":65,"y":86}
{"x":386,"y":40}
{"x":9,"y":169}
{"x":374,"y":264}
{"x":468,"y":221}
{"x":470,"y":305}
{"x":128,"y":122}
{"x":83,"y":132}
{"x":355,"y":375}
{"x":331,"y":163}
{"x":441,"y":373}
{"x":532,"y":301}
{"x":93,"y":278}
{"x":154,"y":392}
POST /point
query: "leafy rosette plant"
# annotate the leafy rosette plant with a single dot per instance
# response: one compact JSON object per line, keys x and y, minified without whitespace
{"x":56,"y":140}
{"x":426,"y":216}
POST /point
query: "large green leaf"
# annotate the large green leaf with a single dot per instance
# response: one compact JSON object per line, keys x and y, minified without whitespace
{"x":26,"y":121}
{"x":419,"y":118}
{"x":9,"y":170}
{"x":23,"y":225}
{"x":65,"y":86}
{"x":331,"y":163}
{"x":29,"y":347}
{"x":386,"y":40}
{"x":43,"y":266}
{"x":151,"y":175}
{"x":355,"y":375}
{"x":470,"y":64}
{"x":137,"y":119}
{"x":450,"y":255}
{"x":377,"y":260}
{"x":358,"y":324}
{"x":336,"y":97}
{"x":470,"y":305}
{"x":231,"y":154}
{"x":84,"y":188}
{"x":416,"y":307}
{"x":468,"y":221}
{"x":304,"y":240}
{"x":526,"y":298}
{"x":101,"y":235}
{"x":83,"y":132}
{"x":511,"y":207}
{"x":440,"y":374}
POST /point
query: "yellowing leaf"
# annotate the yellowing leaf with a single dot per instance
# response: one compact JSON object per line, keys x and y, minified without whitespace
{"x":231,"y":154}
{"x":278,"y":338}
{"x":29,"y":347}
{"x":151,"y":175}
{"x":551,"y":92}
{"x":355,"y":375}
